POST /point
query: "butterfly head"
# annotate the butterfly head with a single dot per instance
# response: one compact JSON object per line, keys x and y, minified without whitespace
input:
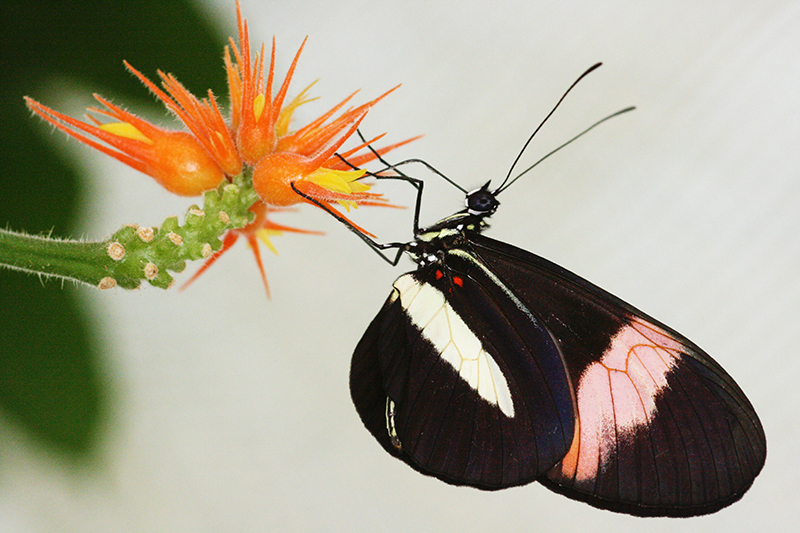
{"x":481,"y":202}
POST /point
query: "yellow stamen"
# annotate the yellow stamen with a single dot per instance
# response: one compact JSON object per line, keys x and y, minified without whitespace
{"x":220,"y":140}
{"x":124,"y":129}
{"x":264,"y":234}
{"x":347,"y":204}
{"x":339,"y":181}
{"x":258,"y":106}
{"x":285,"y":117}
{"x":357,"y":186}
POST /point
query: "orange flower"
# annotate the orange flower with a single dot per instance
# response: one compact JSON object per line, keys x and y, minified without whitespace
{"x":255,"y":139}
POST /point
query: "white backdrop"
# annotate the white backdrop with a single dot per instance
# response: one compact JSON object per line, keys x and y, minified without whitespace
{"x":234,"y":411}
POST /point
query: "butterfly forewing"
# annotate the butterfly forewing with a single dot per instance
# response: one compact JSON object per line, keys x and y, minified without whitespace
{"x":459,"y":380}
{"x":661,"y":429}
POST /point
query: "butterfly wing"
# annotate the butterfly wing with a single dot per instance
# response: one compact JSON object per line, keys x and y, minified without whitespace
{"x":462,"y":383}
{"x":661,"y":428}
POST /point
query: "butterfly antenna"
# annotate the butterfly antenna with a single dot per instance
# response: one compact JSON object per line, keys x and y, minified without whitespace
{"x":581,"y":134}
{"x":525,"y":146}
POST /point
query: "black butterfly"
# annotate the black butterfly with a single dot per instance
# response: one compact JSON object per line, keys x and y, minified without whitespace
{"x":492,"y":367}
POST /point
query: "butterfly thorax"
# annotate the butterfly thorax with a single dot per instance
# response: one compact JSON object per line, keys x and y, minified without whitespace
{"x":432,"y":243}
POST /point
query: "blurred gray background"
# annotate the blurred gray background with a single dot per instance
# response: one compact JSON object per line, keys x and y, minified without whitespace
{"x":230,"y":412}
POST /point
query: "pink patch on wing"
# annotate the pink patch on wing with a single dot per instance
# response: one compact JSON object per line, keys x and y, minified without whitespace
{"x":616,"y":397}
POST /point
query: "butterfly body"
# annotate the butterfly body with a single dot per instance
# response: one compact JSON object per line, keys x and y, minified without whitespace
{"x":492,"y":367}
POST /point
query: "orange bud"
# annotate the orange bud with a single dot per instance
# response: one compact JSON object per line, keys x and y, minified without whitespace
{"x":274,"y":174}
{"x":181,"y":165}
{"x":175,"y":159}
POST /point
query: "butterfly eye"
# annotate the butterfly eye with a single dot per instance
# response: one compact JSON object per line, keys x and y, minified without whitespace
{"x":482,"y":202}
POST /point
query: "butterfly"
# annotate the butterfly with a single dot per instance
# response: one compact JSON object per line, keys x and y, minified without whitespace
{"x":492,"y":367}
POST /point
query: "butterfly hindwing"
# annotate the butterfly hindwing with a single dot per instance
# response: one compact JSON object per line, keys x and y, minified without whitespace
{"x":457,"y":379}
{"x":661,"y":429}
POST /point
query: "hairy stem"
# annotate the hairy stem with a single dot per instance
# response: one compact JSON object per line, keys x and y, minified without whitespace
{"x":135,"y":253}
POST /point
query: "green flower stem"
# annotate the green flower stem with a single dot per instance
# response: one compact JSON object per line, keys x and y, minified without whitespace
{"x":135,"y":253}
{"x":52,"y":257}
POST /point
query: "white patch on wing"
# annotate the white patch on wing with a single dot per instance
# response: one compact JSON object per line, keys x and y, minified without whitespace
{"x":617,"y":395}
{"x":428,"y":309}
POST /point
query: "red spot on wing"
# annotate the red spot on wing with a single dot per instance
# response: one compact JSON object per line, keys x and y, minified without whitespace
{"x":458,"y":281}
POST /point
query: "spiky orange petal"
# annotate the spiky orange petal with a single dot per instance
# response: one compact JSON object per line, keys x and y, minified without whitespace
{"x":363,"y":159}
{"x":252,"y":241}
